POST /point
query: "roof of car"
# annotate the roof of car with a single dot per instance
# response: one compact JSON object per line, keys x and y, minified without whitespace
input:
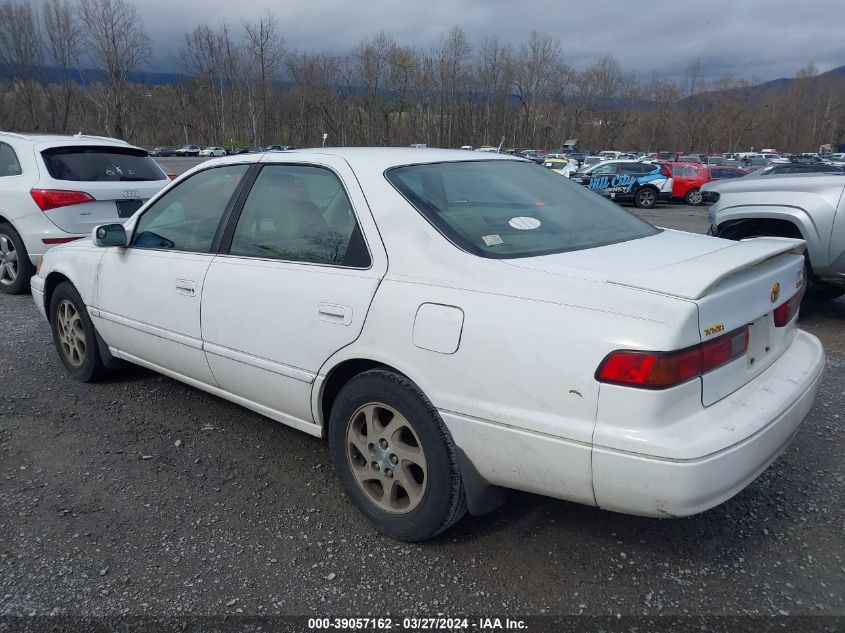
{"x":59,"y":138}
{"x":386,"y":157}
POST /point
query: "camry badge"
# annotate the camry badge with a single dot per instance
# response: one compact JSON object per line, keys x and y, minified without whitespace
{"x":131,"y":193}
{"x":775,"y":291}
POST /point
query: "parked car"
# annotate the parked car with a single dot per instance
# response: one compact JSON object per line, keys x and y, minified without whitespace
{"x":794,"y":168}
{"x":687,"y":180}
{"x":163,"y":152}
{"x":188,"y":150}
{"x":723,"y":172}
{"x":806,"y":206}
{"x":213,"y":151}
{"x":628,"y":181}
{"x":576,"y":158}
{"x":55,"y":189}
{"x":591,"y":160}
{"x":419,"y":368}
{"x":284,"y":148}
{"x":559,"y":166}
{"x":533,"y":154}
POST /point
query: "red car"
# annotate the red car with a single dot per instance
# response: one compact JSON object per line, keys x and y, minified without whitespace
{"x":688,"y":178}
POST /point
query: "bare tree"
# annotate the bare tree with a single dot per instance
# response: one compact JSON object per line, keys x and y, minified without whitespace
{"x":117,"y":45}
{"x":536,"y":63}
{"x":21,"y":56}
{"x":264,"y":48}
{"x":61,"y":30}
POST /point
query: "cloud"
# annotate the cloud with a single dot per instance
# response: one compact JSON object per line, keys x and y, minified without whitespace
{"x":762,"y":40}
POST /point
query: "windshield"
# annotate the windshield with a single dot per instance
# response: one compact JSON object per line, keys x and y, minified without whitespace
{"x":506,"y":209}
{"x":89,"y":163}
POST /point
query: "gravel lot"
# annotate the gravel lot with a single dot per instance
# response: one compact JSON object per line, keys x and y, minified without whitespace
{"x":143,"y":496}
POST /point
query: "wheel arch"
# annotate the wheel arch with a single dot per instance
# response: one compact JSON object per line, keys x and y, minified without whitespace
{"x":51,"y":283}
{"x":338,"y":376}
{"x":482,"y":497}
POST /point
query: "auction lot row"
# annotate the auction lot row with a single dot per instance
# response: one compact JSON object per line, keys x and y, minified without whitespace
{"x":143,"y":495}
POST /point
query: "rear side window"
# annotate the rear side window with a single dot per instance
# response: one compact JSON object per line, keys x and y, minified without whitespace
{"x":9,"y":165}
{"x":301,"y":214}
{"x":505,"y":209}
{"x":101,"y":164}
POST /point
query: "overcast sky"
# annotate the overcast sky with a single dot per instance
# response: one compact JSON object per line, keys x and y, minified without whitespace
{"x":763,"y":39}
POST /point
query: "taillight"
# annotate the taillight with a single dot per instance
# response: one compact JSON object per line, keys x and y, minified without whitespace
{"x":785,"y":312}
{"x":172,"y":176}
{"x":47,"y":199}
{"x":665,"y":171}
{"x":661,"y":370}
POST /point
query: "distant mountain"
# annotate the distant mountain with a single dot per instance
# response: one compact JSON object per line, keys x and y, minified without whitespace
{"x":754,"y":94}
{"x":85,"y":77}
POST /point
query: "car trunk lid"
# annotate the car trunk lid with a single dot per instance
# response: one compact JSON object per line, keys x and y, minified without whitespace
{"x":733,"y":284}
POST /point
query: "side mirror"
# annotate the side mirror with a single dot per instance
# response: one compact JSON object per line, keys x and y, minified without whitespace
{"x":109,"y":235}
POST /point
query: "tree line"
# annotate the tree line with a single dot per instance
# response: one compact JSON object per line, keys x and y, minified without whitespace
{"x":240,"y":85}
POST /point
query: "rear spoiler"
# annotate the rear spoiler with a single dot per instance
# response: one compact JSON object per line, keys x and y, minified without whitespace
{"x":694,"y":278}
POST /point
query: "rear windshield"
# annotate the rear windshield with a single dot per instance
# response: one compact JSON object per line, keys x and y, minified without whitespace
{"x":100,"y":164}
{"x":505,"y":209}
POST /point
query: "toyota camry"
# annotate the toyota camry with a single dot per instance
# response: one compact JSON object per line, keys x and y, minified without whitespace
{"x":455,"y":326}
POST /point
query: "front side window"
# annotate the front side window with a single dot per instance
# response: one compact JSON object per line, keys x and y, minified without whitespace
{"x":88,"y":163}
{"x":186,"y":218}
{"x":9,"y":165}
{"x":300,"y":214}
{"x":504,"y":209}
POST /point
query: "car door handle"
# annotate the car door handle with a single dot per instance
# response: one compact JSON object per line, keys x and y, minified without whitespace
{"x":334,"y":313}
{"x":186,"y":287}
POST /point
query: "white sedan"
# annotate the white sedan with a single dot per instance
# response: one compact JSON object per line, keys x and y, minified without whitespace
{"x":456,"y":326}
{"x":213,"y":151}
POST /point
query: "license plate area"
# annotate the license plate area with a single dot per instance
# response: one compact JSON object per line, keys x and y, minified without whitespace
{"x":125,"y":208}
{"x":759,"y":341}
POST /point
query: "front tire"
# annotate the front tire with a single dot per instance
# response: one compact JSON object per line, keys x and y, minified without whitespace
{"x":693,"y":197}
{"x":15,"y":267}
{"x":74,"y":335}
{"x":394,"y":456}
{"x":645,"y":198}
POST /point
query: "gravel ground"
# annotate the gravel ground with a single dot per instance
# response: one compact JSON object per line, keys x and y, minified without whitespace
{"x":142,"y":496}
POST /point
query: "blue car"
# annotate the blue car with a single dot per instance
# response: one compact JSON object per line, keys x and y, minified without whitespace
{"x":629,"y":181}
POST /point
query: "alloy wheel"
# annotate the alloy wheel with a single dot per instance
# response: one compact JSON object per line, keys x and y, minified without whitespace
{"x":386,"y":458}
{"x":646,"y":198}
{"x":8,"y":261}
{"x":695,"y":197}
{"x":70,"y":332}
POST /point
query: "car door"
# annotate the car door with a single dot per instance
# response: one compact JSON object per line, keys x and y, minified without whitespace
{"x":148,"y":294}
{"x":300,"y":263}
{"x":599,"y":178}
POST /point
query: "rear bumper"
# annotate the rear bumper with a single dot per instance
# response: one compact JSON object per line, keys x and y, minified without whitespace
{"x":780,"y":398}
{"x":34,"y":229}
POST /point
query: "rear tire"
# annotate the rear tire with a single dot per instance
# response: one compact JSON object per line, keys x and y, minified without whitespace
{"x":15,"y":267}
{"x":394,"y":456}
{"x":74,"y":335}
{"x":693,"y":197}
{"x":645,"y":198}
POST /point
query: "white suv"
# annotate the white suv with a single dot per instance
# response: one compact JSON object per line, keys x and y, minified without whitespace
{"x":56,"y":189}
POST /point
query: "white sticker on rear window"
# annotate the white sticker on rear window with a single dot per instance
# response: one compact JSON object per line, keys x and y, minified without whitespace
{"x":524,"y":223}
{"x":492,"y":240}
